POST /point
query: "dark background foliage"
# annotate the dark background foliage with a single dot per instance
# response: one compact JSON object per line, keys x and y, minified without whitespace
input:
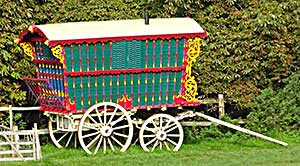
{"x":252,"y":45}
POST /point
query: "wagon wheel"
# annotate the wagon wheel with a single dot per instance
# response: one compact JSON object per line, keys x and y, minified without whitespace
{"x":163,"y":131}
{"x":61,"y":137}
{"x":105,"y":125}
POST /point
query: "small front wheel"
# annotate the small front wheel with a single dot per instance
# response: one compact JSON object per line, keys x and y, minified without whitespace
{"x":163,"y":131}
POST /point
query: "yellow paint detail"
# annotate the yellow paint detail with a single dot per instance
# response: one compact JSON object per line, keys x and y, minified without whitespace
{"x":28,"y":50}
{"x":96,"y":84}
{"x":190,"y":83}
{"x":57,"y":51}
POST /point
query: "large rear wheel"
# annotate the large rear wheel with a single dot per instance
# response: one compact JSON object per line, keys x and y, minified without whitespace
{"x":105,"y":126}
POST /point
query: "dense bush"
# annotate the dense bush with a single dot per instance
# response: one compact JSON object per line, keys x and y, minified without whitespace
{"x":251,"y":44}
{"x":277,"y":111}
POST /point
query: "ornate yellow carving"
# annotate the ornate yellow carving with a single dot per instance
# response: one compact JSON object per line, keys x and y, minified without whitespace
{"x":28,"y":49}
{"x":57,"y":51}
{"x":190,"y":83}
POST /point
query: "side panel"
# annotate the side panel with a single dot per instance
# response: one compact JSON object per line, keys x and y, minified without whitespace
{"x":148,"y":72}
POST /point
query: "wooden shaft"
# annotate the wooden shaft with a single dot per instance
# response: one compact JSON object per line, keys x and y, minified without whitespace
{"x":240,"y":129}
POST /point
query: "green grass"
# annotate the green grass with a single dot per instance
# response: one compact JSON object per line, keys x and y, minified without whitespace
{"x":234,"y":151}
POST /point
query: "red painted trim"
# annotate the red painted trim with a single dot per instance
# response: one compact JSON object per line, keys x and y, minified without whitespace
{"x":115,"y":39}
{"x":49,"y":62}
{"x":124,"y":71}
{"x":36,"y":30}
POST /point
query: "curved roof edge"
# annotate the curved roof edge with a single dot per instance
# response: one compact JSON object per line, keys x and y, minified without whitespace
{"x":104,"y":31}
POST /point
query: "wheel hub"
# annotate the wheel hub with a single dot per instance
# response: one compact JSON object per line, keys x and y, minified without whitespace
{"x":161,"y":135}
{"x":106,"y":131}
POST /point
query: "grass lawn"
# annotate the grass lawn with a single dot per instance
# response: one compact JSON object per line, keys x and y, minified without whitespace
{"x":235,"y":151}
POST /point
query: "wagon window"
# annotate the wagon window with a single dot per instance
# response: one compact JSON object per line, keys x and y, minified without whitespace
{"x":126,"y":54}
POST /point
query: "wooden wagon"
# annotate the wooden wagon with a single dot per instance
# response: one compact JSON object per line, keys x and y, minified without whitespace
{"x":99,"y":79}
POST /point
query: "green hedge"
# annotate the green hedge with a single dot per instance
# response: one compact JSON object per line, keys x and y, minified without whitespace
{"x":251,"y":45}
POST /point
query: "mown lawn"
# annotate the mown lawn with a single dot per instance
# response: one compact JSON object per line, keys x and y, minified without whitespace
{"x":235,"y":151}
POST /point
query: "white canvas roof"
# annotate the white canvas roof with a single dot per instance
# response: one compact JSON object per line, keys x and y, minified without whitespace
{"x":119,"y":28}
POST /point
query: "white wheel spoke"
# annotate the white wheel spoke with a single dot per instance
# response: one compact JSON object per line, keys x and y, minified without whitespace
{"x":62,"y":136}
{"x":167,"y":146}
{"x":149,"y":136}
{"x":93,"y":141}
{"x":71,"y":135}
{"x":112,"y":116}
{"x":118,"y":142}
{"x":90,"y":117}
{"x":154,"y":124}
{"x":121,"y":135}
{"x":169,"y":126}
{"x":89,"y":127}
{"x":174,"y":143}
{"x":154,"y":146}
{"x":120,"y":127}
{"x":160,"y":122}
{"x":98,"y":114}
{"x":151,"y":141}
{"x":110,"y":144}
{"x":160,"y":145}
{"x":171,"y":129}
{"x":104,"y":114}
{"x":91,"y":134}
{"x":104,"y":145}
{"x":173,"y":135}
{"x":98,"y":145}
{"x":118,"y":120}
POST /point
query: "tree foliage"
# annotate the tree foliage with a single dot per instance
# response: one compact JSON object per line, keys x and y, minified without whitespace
{"x":251,"y":44}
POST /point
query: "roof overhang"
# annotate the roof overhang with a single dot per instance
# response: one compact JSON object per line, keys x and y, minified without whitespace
{"x":104,"y":31}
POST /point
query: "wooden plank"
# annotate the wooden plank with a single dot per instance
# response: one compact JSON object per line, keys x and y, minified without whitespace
{"x":16,"y":159}
{"x":12,"y":151}
{"x":221,"y":105}
{"x":19,"y":108}
{"x":193,"y":123}
{"x":240,"y":129}
{"x":16,"y":143}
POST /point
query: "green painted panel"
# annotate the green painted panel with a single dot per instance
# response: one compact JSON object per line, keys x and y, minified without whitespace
{"x":83,"y":54}
{"x":173,"y":50}
{"x":68,"y":58}
{"x":70,"y":88}
{"x":100,"y":89}
{"x":99,"y":54}
{"x":76,"y":57}
{"x":85,"y":92}
{"x":180,"y":52}
{"x":165,"y":52}
{"x":150,"y":54}
{"x":171,"y":87}
{"x":157,"y":52}
{"x":164,"y":87}
{"x":142,"y":90}
{"x":107,"y":54}
{"x":114,"y":88}
{"x":107,"y":88}
{"x":90,"y":56}
{"x":93,"y":90}
{"x":121,"y":89}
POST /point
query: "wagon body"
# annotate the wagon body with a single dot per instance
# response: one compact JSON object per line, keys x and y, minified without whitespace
{"x":127,"y":62}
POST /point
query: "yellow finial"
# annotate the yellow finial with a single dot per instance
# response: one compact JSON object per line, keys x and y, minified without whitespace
{"x":30,"y":28}
{"x":46,"y":42}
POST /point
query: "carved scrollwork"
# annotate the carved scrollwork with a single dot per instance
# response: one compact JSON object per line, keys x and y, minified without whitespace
{"x":57,"y":51}
{"x":190,"y":85}
{"x":28,"y":49}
